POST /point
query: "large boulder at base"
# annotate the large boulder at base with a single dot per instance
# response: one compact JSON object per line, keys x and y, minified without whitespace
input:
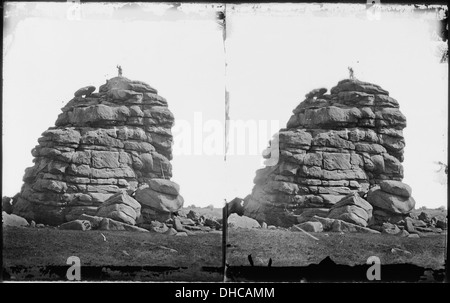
{"x":164,"y":186}
{"x":352,"y":209}
{"x":334,"y":144}
{"x":351,"y":214}
{"x":102,"y":143}
{"x":381,"y":216}
{"x":242,"y":221}
{"x":13,"y":220}
{"x":389,"y":202}
{"x":149,"y":214}
{"x":158,"y":205}
{"x":120,"y":207}
{"x":396,"y":188}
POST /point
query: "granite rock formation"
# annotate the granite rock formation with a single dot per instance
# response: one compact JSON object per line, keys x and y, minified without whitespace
{"x":352,"y":209}
{"x":337,"y":151}
{"x":120,"y":207}
{"x":104,"y":145}
{"x":160,"y":198}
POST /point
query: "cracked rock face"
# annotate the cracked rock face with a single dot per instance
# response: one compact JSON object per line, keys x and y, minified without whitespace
{"x":347,"y":142}
{"x":102,"y":143}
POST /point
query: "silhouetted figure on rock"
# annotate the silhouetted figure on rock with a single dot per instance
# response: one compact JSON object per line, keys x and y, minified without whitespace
{"x":351,"y":73}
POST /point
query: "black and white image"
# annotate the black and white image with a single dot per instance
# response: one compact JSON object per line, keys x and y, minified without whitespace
{"x":224,"y":142}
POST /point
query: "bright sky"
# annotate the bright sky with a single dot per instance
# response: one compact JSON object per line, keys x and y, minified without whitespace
{"x":273,"y":61}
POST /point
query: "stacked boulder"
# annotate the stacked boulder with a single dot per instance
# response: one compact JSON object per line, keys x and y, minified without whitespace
{"x":392,"y":201}
{"x":103,"y":144}
{"x":120,"y":207}
{"x":159,"y":198}
{"x":352,"y":209}
{"x":335,"y":149}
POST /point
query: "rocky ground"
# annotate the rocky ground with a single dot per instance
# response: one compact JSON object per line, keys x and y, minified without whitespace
{"x":297,"y":249}
{"x":40,"y":253}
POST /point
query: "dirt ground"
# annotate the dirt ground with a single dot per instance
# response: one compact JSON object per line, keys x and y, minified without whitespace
{"x":287,"y":248}
{"x":41,"y":254}
{"x":30,"y":253}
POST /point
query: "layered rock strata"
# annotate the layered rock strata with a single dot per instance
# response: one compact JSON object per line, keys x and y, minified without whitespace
{"x":103,"y":143}
{"x":346,"y":142}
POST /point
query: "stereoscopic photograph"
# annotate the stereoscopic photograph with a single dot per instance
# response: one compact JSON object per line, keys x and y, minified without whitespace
{"x":219,"y":142}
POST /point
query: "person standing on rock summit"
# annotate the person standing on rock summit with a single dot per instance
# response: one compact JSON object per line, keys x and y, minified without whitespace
{"x":351,"y":73}
{"x":119,"y":69}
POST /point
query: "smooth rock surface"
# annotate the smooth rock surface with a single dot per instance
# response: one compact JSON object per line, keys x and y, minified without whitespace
{"x":13,"y":220}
